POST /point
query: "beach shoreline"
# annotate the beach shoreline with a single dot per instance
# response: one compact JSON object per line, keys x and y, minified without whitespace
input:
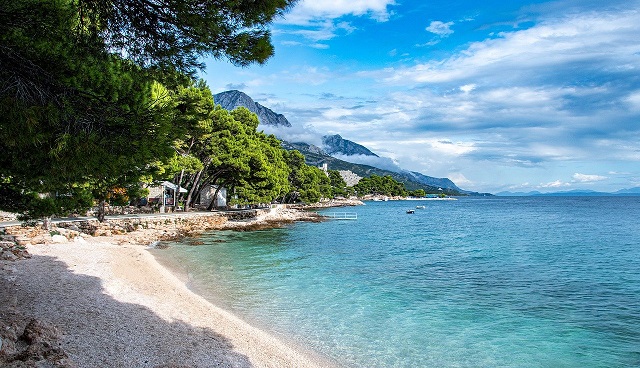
{"x":106,"y":301}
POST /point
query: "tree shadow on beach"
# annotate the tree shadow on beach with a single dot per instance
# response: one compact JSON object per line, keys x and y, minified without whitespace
{"x":98,"y":331}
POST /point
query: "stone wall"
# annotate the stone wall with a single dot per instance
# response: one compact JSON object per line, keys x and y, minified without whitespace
{"x":150,"y":228}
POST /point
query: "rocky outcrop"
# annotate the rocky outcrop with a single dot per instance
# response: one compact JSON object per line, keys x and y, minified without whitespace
{"x":336,"y":144}
{"x":146,"y":229}
{"x":230,"y":100}
{"x":443,"y":183}
{"x":10,"y":250}
{"x":28,"y":342}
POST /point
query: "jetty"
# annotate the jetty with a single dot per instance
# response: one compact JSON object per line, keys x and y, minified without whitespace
{"x":341,"y":215}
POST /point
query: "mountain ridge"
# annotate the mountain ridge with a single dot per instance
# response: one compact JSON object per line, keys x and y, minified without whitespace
{"x":230,"y":100}
{"x":335,"y":144}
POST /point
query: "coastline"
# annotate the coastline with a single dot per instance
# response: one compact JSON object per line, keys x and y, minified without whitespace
{"x":106,"y":301}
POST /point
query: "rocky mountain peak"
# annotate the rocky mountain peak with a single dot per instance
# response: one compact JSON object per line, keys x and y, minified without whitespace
{"x":336,"y":144}
{"x":230,"y":100}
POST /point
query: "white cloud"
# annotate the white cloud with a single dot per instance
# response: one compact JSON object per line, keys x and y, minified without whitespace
{"x":584,"y":178}
{"x":337,"y":113}
{"x":442,"y":29}
{"x":555,"y":184}
{"x":384,"y":163}
{"x":306,"y":11}
{"x":459,"y":179}
{"x":634,"y":100}
{"x":468,"y":88}
{"x":606,"y":39}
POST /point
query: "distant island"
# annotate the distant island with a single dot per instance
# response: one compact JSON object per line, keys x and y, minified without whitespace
{"x":574,"y":193}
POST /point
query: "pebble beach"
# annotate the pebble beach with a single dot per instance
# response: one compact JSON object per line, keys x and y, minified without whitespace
{"x":76,"y":300}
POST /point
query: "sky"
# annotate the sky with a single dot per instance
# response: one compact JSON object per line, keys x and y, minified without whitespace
{"x":495,"y":95}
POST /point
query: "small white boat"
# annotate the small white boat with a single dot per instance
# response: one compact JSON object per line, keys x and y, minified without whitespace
{"x":421,"y":207}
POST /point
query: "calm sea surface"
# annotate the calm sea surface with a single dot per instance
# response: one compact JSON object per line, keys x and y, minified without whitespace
{"x":497,"y":282}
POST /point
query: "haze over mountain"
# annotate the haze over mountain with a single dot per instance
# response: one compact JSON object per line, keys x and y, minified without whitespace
{"x":332,"y":144}
{"x":338,"y":153}
{"x":316,"y":156}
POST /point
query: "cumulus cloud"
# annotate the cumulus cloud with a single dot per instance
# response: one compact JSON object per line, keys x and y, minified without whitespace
{"x":442,"y":29}
{"x":294,"y":134}
{"x":322,"y":20}
{"x":564,"y":89}
{"x":603,"y":40}
{"x":308,"y":10}
{"x":585,"y":178}
{"x":468,"y":88}
{"x":459,"y":179}
{"x":555,"y":184}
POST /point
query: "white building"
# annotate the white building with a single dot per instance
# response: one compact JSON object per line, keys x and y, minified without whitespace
{"x":207,"y":193}
{"x":350,"y":177}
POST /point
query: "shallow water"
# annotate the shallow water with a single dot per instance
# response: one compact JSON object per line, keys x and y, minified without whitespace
{"x":482,"y":282}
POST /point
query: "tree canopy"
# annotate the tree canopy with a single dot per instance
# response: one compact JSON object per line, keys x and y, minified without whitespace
{"x":81,"y":113}
{"x":380,"y":185}
{"x":175,"y":34}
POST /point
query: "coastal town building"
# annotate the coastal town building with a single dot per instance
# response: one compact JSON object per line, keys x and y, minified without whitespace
{"x":162,"y":195}
{"x":350,"y":177}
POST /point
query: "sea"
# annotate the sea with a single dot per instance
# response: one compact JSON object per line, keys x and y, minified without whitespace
{"x":475,"y":282}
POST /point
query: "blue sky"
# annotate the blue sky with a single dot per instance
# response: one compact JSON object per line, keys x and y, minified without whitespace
{"x":495,"y":95}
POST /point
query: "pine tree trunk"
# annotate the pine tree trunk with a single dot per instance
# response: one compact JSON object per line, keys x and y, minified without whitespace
{"x":213,"y":201}
{"x":101,"y":210}
{"x":187,"y":203}
{"x":176,"y":192}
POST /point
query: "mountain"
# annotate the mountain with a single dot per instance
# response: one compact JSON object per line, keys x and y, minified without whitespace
{"x":316,"y":157}
{"x":518,"y":194}
{"x":575,"y":193}
{"x":631,"y":191}
{"x":336,"y":144}
{"x":436,"y":182}
{"x":229,"y":100}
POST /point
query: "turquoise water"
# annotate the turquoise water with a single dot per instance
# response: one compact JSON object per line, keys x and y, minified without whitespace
{"x":497,"y":282}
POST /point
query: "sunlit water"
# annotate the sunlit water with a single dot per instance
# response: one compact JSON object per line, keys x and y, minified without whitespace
{"x":499,"y":282}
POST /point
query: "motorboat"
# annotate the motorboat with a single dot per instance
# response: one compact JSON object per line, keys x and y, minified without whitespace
{"x":411,"y":211}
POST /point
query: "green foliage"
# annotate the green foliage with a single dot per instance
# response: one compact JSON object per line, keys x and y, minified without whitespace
{"x":30,"y":204}
{"x":308,"y":183}
{"x":338,"y":185}
{"x":262,"y":171}
{"x":380,"y":185}
{"x":418,"y":193}
{"x":82,"y":117}
{"x":175,"y":34}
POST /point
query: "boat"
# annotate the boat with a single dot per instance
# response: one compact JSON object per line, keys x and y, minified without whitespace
{"x":411,"y":211}
{"x":421,"y":207}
